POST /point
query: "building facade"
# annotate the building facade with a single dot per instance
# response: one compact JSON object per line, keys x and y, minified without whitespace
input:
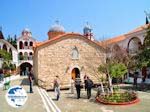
{"x":129,"y":43}
{"x":25,"y":51}
{"x":66,"y":55}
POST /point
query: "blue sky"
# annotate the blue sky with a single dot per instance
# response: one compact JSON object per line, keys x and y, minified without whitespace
{"x":108,"y":18}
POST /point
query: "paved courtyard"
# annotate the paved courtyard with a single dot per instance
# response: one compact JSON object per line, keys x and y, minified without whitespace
{"x":40,"y":102}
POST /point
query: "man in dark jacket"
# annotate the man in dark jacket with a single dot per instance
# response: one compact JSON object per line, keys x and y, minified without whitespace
{"x":30,"y":77}
{"x":89,"y":85}
{"x":78,"y":85}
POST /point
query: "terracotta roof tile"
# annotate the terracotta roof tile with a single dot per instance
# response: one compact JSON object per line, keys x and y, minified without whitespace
{"x":122,"y":37}
{"x":112,"y":40}
{"x":62,"y":35}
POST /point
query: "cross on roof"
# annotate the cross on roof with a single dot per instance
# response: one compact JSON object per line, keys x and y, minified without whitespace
{"x":147,"y":14}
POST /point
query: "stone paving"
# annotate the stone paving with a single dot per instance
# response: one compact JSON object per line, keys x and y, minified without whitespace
{"x":69,"y":103}
{"x":33,"y":104}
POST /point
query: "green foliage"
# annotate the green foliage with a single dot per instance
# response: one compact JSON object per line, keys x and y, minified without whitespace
{"x":5,"y":55}
{"x":7,"y":65}
{"x":119,"y":97}
{"x":12,"y":40}
{"x":12,"y":66}
{"x":7,"y":75}
{"x":143,"y":58}
{"x":147,"y":37}
{"x":117,"y":70}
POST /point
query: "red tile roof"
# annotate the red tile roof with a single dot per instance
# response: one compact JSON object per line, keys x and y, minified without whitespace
{"x":63,"y":35}
{"x":122,"y":37}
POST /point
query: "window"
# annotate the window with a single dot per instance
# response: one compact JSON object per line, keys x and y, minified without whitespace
{"x":20,"y":45}
{"x":31,"y":43}
{"x":26,"y":43}
{"x":75,"y":53}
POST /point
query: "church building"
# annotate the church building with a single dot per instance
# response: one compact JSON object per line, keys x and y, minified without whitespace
{"x":66,"y":55}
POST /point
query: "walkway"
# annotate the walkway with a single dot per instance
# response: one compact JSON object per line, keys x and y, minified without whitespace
{"x":69,"y":103}
{"x":38,"y":101}
{"x":42,"y":101}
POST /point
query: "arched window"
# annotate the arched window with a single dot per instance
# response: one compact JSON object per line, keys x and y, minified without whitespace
{"x":25,"y":43}
{"x":4,"y":47}
{"x":30,"y":55}
{"x":25,"y":56}
{"x":20,"y":56}
{"x":31,"y":43}
{"x":20,"y":45}
{"x":75,"y":53}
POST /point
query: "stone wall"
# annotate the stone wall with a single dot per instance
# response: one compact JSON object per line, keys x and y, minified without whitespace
{"x":56,"y":59}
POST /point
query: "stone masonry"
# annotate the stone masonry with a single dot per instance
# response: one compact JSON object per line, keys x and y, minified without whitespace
{"x":54,"y":58}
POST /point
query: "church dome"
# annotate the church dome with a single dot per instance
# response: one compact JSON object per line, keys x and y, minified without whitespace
{"x":87,"y":29}
{"x":26,"y":32}
{"x":57,"y":28}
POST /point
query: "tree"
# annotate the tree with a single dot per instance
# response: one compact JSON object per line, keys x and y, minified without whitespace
{"x":12,"y":40}
{"x":113,"y":70}
{"x":117,"y":70}
{"x":6,"y":59}
{"x":5,"y":55}
{"x":143,"y":57}
{"x":116,"y":63}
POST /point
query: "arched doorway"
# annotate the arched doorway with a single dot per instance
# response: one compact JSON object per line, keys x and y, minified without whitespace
{"x":25,"y":68}
{"x":75,"y":73}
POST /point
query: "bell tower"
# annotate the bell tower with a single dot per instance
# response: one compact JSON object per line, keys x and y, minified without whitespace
{"x":87,"y":31}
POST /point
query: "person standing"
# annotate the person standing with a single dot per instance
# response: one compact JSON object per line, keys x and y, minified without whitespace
{"x":30,"y":77}
{"x":72,"y":86}
{"x":85,"y":79}
{"x":135,"y":78}
{"x":89,"y":85}
{"x":57,"y":87}
{"x":78,"y":85}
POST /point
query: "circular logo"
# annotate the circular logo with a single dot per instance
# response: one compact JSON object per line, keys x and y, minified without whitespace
{"x":16,"y":96}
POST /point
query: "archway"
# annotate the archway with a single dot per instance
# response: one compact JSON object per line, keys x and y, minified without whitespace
{"x":5,"y":47}
{"x":75,"y":72}
{"x":134,"y":45}
{"x":25,"y":68}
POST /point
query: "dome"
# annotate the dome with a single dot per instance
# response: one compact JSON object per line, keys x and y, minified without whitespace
{"x":57,"y":28}
{"x":87,"y":29}
{"x":26,"y":30}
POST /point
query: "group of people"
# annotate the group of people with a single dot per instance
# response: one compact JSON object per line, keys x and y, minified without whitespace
{"x":77,"y":83}
{"x":88,"y":84}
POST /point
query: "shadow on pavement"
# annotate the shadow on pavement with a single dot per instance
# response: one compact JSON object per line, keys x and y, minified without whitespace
{"x":140,"y":87}
{"x":25,"y":81}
